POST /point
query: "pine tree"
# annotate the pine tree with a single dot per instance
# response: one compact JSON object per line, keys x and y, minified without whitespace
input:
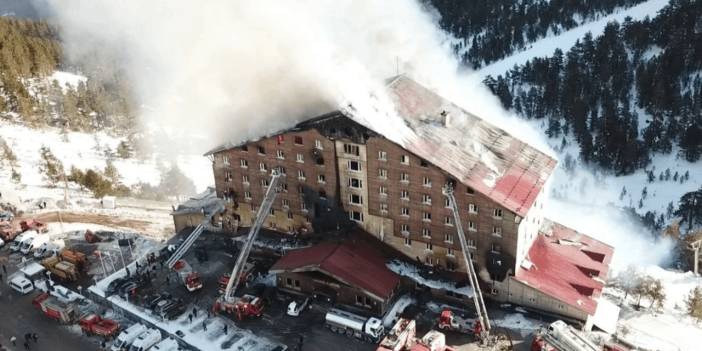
{"x":694,"y":303}
{"x":50,"y":166}
{"x":690,"y":209}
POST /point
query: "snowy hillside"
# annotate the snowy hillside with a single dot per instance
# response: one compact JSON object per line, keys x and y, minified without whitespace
{"x":566,"y":40}
{"x":84,"y":151}
{"x":669,"y":329}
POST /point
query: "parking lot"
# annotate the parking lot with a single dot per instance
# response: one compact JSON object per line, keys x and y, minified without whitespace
{"x":212,"y":256}
{"x":20,"y":317}
{"x":275,"y":324}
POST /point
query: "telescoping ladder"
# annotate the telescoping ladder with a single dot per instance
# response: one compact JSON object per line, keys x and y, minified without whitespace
{"x":190,"y":240}
{"x":470,"y":268}
{"x":261,"y":216}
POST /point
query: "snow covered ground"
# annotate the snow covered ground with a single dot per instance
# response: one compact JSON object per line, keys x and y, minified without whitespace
{"x":87,"y":151}
{"x":667,"y":329}
{"x":566,"y":40}
{"x":67,"y":79}
{"x":411,"y":271}
{"x":196,"y":336}
{"x":393,"y":314}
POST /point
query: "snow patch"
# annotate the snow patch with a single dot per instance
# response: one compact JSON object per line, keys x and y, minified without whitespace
{"x":412,"y":272}
{"x":67,"y":80}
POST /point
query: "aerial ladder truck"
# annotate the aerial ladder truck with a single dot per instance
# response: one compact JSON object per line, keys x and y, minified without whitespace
{"x":190,"y":278}
{"x":248,"y":305}
{"x":482,"y":327}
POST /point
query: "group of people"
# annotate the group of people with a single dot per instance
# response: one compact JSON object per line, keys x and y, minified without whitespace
{"x":28,"y":338}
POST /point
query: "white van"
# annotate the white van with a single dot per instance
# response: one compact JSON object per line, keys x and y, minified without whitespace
{"x":35,"y":243}
{"x":125,"y":338}
{"x":21,"y":284}
{"x":48,"y":249}
{"x":168,"y":344}
{"x":147,"y":339}
{"x":22,"y":239}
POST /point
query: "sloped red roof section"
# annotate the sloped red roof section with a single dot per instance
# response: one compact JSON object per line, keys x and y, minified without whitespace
{"x":354,"y":264}
{"x":477,"y":153}
{"x":561,"y":259}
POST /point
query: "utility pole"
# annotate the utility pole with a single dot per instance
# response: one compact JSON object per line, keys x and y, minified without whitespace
{"x":696,"y":246}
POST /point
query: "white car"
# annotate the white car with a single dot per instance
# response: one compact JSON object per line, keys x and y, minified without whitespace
{"x":2,"y":243}
{"x":21,"y":284}
{"x":296,"y":307}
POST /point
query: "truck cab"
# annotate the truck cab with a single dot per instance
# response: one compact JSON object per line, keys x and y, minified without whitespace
{"x":374,"y":328}
{"x":125,"y":338}
{"x":147,"y":339}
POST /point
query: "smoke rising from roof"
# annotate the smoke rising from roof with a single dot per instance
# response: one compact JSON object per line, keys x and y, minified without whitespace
{"x":226,"y":70}
{"x":230,"y":70}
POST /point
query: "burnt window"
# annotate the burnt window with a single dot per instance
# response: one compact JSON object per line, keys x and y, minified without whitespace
{"x":352,"y":150}
{"x":244,"y":148}
{"x":261,"y":150}
{"x":300,"y":189}
{"x":298,"y":140}
{"x":424,"y":163}
{"x":320,"y":161}
{"x":470,"y":191}
{"x":323,"y":194}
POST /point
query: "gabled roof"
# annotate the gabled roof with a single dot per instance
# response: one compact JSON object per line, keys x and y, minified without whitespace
{"x":354,"y":265}
{"x":562,"y":260}
{"x":475,"y":152}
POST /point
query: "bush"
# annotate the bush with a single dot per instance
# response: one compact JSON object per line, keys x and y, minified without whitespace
{"x":7,"y":153}
{"x":16,"y":176}
{"x":124,"y":150}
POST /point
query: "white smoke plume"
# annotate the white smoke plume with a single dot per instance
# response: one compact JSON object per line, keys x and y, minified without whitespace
{"x":226,"y":70}
{"x":229,"y":70}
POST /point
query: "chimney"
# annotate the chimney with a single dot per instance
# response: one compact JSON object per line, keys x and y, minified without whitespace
{"x":446,"y":118}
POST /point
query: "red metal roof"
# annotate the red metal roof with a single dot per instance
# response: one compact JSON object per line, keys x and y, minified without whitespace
{"x":562,"y":261}
{"x":474,"y":151}
{"x":353,"y":264}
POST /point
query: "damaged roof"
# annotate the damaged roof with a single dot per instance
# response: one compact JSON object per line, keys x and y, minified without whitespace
{"x":475,"y":152}
{"x":206,"y":200}
{"x":567,"y":265}
{"x":354,"y":265}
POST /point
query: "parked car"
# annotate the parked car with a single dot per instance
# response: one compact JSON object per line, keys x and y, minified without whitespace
{"x":147,"y":339}
{"x":2,"y":243}
{"x":297,"y":306}
{"x":114,"y":286}
{"x":21,"y":284}
{"x":127,"y":337}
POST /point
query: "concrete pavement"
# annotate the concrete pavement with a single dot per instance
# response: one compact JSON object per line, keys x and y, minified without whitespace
{"x":18,"y":317}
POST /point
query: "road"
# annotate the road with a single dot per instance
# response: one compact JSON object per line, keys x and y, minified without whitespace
{"x":18,"y":317}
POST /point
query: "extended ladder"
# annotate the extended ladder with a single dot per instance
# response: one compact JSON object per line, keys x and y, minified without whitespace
{"x":190,"y":240}
{"x":261,"y":216}
{"x":472,"y":277}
